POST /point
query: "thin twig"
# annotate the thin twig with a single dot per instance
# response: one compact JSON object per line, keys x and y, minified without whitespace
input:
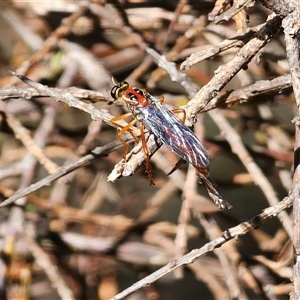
{"x":233,"y":10}
{"x":227,"y":235}
{"x":247,"y":93}
{"x":68,"y":98}
{"x":16,"y":216}
{"x":175,"y":75}
{"x":228,"y":70}
{"x":52,"y":41}
{"x":177,"y":12}
{"x":30,"y":93}
{"x":259,"y":178}
{"x":51,"y":270}
{"x":97,"y":152}
{"x":291,"y":27}
{"x":24,"y":135}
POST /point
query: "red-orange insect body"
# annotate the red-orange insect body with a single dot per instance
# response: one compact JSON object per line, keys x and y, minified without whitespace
{"x":164,"y":124}
{"x":170,"y":130}
{"x":130,"y":92}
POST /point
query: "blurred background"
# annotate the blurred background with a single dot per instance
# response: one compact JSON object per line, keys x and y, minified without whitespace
{"x":83,"y":237}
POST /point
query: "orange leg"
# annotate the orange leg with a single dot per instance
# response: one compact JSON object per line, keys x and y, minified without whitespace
{"x":118,"y":118}
{"x":143,"y":139}
{"x":161,"y":99}
{"x":123,"y":130}
{"x":180,"y":111}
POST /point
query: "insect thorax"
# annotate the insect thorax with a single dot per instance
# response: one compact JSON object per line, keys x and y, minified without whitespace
{"x":139,"y":117}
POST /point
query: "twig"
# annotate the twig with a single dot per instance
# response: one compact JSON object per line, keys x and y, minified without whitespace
{"x":23,"y":134}
{"x":233,"y":10}
{"x":134,"y":159}
{"x":212,"y":51}
{"x":176,"y":15}
{"x":165,"y":60}
{"x":71,"y":214}
{"x":68,"y":98}
{"x":99,"y":151}
{"x":212,"y":230}
{"x":291,"y":27}
{"x":29,"y":93}
{"x":119,"y":24}
{"x":51,"y":270}
{"x":245,"y":94}
{"x":175,"y":75}
{"x":259,"y":178}
{"x":228,"y":70}
{"x":16,"y":217}
{"x":227,"y":235}
{"x":32,"y":39}
{"x":51,"y":42}
{"x":238,"y":41}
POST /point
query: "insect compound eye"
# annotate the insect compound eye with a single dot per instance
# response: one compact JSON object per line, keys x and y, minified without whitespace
{"x":118,"y":89}
{"x":114,"y":92}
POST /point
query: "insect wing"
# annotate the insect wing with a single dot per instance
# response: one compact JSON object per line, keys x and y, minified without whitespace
{"x":173,"y":133}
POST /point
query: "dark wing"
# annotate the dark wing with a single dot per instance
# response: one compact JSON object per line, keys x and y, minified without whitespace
{"x":173,"y":133}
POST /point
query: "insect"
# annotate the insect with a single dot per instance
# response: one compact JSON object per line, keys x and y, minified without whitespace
{"x":170,"y":130}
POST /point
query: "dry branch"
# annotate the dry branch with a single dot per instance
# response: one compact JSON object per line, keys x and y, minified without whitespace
{"x":97,"y":41}
{"x":231,"y":233}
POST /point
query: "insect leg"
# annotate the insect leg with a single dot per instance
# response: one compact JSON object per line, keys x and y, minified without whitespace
{"x":146,"y":151}
{"x":124,"y":116}
{"x":177,"y":165}
{"x":180,"y":111}
{"x":161,"y":99}
{"x":123,"y":130}
{"x":118,"y":118}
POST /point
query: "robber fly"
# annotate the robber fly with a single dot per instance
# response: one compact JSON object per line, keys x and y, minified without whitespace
{"x":170,"y":130}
